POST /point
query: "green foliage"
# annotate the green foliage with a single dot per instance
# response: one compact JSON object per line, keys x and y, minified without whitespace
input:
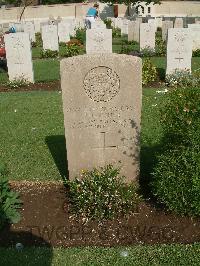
{"x":125,"y":49}
{"x":116,"y":32}
{"x":161,"y":48}
{"x":149,"y":72}
{"x":17,"y":83}
{"x":196,"y":53}
{"x":62,"y":44}
{"x":38,"y":40}
{"x":183,"y":78}
{"x":49,"y":54}
{"x":176,"y":176}
{"x":108,"y":23}
{"x":9,"y":201}
{"x":81,"y":35}
{"x":102,"y":194}
{"x":71,"y":50}
{"x":147,"y":52}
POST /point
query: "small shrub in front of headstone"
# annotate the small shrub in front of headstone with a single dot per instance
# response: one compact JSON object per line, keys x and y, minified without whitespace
{"x":38,"y":40}
{"x":81,"y":35}
{"x":149,"y":72}
{"x":116,"y":32}
{"x":17,"y":83}
{"x":102,"y":194}
{"x":9,"y":201}
{"x":161,"y":48}
{"x":196,"y":53}
{"x":147,"y":52}
{"x":183,"y":78}
{"x":108,"y":23}
{"x":72,"y":48}
{"x":176,"y":174}
{"x":48,"y":53}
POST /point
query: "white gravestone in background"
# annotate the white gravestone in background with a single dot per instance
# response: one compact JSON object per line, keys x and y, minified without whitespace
{"x":102,"y":96}
{"x":98,"y":24}
{"x":124,"y":26}
{"x":30,"y":29}
{"x":136,"y":30}
{"x":195,"y":33}
{"x":50,"y":37}
{"x":19,"y":56}
{"x":165,"y":26}
{"x":63,"y":32}
{"x":179,"y":50}
{"x":98,"y":41}
{"x":147,"y":36}
{"x":178,"y":23}
{"x":131,"y":26}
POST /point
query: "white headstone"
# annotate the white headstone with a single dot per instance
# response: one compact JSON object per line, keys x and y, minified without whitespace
{"x":179,"y":50}
{"x":19,"y":56}
{"x":30,"y":29}
{"x":131,"y":26}
{"x":98,"y":24}
{"x":63,"y":32}
{"x":195,"y":33}
{"x":50,"y":37}
{"x":165,"y":26}
{"x":136,"y":30}
{"x":98,"y":41}
{"x":178,"y":23}
{"x":124,"y":26}
{"x":102,"y":97}
{"x":147,"y":36}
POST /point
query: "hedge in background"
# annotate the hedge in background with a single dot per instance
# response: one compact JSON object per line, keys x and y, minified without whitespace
{"x":176,"y":176}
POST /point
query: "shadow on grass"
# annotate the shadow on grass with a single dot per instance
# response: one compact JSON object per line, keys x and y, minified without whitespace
{"x":148,"y":160}
{"x":23,"y":244}
{"x":161,"y":73}
{"x":57,"y":147}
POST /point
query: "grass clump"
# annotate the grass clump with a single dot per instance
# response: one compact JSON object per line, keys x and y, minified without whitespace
{"x":102,"y":194}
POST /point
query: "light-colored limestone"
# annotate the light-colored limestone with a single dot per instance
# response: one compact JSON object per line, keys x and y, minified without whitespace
{"x":165,"y":26}
{"x":30,"y":29}
{"x":179,"y":50}
{"x":195,"y":33}
{"x":63,"y":32}
{"x":98,"y":24}
{"x":98,"y":41}
{"x":50,"y":37}
{"x":19,"y":57}
{"x":178,"y":23}
{"x":147,"y":36}
{"x":102,"y":112}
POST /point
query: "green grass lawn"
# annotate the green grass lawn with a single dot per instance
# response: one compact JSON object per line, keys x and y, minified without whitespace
{"x":169,"y":255}
{"x":32,"y":136}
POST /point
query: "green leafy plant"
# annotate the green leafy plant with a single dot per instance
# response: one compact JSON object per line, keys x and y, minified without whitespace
{"x":102,"y":194}
{"x":147,"y":52}
{"x":161,"y":48}
{"x":116,"y":32}
{"x":62,"y":44}
{"x":17,"y":83}
{"x":149,"y":72}
{"x":176,"y":175}
{"x":108,"y":23}
{"x":71,"y":50}
{"x":81,"y":35}
{"x":196,"y":53}
{"x":38,"y":40}
{"x":49,"y":54}
{"x":183,"y":78}
{"x":9,"y":201}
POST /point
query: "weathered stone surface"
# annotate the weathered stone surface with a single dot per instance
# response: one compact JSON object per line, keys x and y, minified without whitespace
{"x":178,"y":23}
{"x":147,"y":36}
{"x":30,"y":29}
{"x":98,"y":41}
{"x":165,"y":26}
{"x":102,"y":108}
{"x":50,"y":37}
{"x":124,"y":26}
{"x":179,"y":50}
{"x":63,"y":32}
{"x":131,"y":26}
{"x":195,"y":33}
{"x":136,"y":31}
{"x":98,"y":24}
{"x":19,"y":57}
